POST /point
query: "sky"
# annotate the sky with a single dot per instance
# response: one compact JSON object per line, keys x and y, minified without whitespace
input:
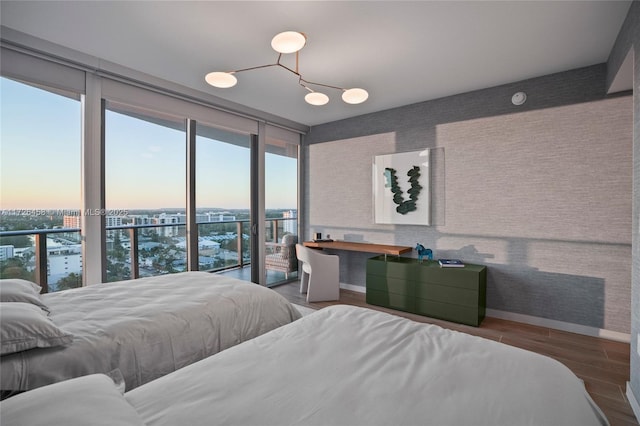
{"x":145,"y":167}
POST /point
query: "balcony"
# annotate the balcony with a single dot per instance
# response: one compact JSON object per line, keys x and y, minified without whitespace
{"x":54,"y":259}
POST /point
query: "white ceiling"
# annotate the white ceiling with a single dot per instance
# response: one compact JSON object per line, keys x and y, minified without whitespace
{"x":401,"y":52}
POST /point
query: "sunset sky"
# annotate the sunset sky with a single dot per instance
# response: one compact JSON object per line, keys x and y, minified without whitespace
{"x":40,"y":159}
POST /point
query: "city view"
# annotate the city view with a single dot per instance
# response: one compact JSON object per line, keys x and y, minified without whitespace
{"x":223,"y":241}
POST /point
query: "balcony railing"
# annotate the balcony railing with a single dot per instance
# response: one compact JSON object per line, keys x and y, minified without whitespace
{"x":275,"y":228}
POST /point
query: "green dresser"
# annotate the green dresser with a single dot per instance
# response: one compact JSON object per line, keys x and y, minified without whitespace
{"x":426,"y":288}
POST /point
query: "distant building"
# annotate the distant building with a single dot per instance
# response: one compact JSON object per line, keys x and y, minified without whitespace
{"x":21,"y":251}
{"x":113,"y":221}
{"x":165,"y":219}
{"x":6,"y":252}
{"x":290,"y":226}
{"x":140,"y":219}
{"x":220,"y":217}
{"x":71,"y":221}
{"x":179,"y":218}
{"x":63,"y":260}
{"x":75,"y":221}
{"x":203,"y":244}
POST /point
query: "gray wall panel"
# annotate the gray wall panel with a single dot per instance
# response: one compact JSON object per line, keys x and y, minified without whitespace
{"x":542,"y":193}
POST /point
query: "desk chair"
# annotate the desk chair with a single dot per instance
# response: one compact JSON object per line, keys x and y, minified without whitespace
{"x":320,"y":274}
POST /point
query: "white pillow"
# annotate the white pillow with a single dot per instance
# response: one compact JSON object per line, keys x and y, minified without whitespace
{"x":19,"y":290}
{"x":24,"y":326}
{"x":27,"y":286}
{"x":88,"y":400}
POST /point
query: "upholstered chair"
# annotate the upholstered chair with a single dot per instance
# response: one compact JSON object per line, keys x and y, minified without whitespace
{"x":282,"y":256}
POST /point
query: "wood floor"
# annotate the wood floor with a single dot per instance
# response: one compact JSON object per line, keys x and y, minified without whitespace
{"x":602,"y":364}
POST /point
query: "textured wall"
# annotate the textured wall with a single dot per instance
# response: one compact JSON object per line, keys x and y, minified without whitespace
{"x":635,"y":292}
{"x":540,"y":193}
{"x":629,"y":38}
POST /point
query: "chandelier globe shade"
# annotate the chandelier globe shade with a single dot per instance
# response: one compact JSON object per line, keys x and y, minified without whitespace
{"x":223,"y":80}
{"x":355,"y":96}
{"x":316,"y":98}
{"x":288,"y":42}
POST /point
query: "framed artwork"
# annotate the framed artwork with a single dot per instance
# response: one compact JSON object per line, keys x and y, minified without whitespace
{"x":401,"y":188}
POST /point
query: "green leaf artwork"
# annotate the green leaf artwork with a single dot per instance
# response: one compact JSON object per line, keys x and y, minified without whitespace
{"x":404,"y":206}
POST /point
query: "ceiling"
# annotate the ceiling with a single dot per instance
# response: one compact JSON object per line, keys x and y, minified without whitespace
{"x":400,"y":52}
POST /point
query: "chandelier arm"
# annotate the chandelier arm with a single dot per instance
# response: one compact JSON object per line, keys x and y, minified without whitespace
{"x":323,"y":85}
{"x":290,"y":70}
{"x":300,"y":82}
{"x":253,"y":68}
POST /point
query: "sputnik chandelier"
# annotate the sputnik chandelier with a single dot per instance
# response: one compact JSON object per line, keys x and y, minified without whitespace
{"x":284,"y":43}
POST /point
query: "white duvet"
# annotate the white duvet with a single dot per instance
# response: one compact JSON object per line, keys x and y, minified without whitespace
{"x":352,"y":366}
{"x":147,"y":328}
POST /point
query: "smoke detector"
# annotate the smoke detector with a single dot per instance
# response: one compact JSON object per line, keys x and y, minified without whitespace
{"x":519,"y":98}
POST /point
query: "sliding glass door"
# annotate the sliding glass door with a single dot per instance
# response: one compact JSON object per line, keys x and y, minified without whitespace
{"x":281,"y":210}
{"x":223,"y":201}
{"x":145,"y":175}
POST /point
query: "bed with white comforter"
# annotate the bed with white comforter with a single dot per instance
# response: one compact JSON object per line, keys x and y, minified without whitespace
{"x":345,"y":365}
{"x":146,"y":328}
{"x":339,"y":366}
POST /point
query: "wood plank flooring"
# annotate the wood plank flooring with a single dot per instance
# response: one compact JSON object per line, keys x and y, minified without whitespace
{"x":602,"y":364}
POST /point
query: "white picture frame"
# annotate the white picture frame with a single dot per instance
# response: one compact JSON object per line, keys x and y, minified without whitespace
{"x":398,"y":207}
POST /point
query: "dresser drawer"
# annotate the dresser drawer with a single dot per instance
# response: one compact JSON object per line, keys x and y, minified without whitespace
{"x":449,"y":312}
{"x":447,"y":294}
{"x":453,"y":277}
{"x":390,"y":285}
{"x":401,"y":302}
{"x":395,"y":268}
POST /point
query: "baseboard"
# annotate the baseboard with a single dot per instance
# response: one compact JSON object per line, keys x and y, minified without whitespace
{"x":358,"y":288}
{"x":561,"y":325}
{"x":542,"y":322}
{"x":633,"y":401}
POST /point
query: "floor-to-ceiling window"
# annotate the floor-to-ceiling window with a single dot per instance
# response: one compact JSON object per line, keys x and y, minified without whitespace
{"x":223,"y":199}
{"x":126,"y":153}
{"x":281,"y":208}
{"x":145,"y":175}
{"x":40,"y":146}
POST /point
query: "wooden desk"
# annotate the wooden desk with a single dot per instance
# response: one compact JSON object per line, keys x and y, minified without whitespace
{"x":362,"y":247}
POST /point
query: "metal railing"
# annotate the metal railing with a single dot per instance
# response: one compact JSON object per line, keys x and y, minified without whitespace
{"x":40,"y":270}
